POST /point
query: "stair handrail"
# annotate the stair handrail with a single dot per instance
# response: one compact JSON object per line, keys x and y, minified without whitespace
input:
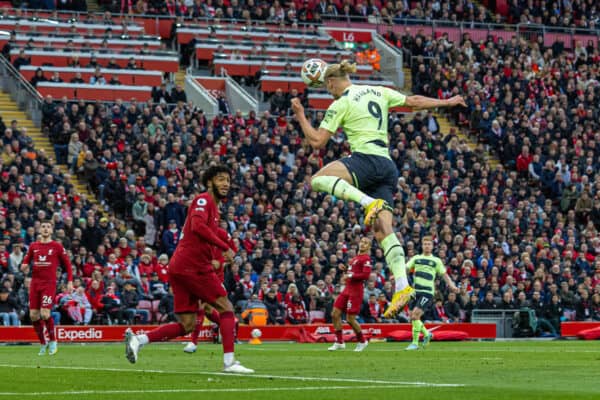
{"x":21,"y":91}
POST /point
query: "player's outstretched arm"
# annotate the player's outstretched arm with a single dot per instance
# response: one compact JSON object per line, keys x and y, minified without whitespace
{"x":316,"y":138}
{"x":429,"y":102}
{"x":450,"y":284}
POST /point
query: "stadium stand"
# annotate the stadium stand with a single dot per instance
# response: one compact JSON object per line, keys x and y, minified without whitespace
{"x":522,"y":233}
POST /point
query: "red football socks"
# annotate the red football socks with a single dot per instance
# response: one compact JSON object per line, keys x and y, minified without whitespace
{"x":50,"y":328}
{"x":214,"y":317}
{"x":166,"y":332}
{"x":38,"y":326}
{"x":339,"y":338}
{"x":360,"y":338}
{"x":227,"y":327}
{"x":198,"y":327}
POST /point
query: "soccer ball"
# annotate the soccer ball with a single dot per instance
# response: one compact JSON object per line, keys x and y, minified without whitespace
{"x":313,"y":72}
{"x":256,"y":333}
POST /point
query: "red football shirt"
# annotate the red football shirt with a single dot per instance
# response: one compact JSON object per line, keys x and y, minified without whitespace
{"x":358,"y":271}
{"x":195,"y":250}
{"x":46,"y":257}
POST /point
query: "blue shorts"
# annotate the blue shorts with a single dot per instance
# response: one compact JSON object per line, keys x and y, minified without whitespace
{"x":377,"y":176}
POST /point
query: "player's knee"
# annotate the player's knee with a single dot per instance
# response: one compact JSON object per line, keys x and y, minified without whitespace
{"x":34,"y":315}
{"x":45,"y":314}
{"x":416,"y":315}
{"x":379,"y":235}
{"x":383,"y":224}
{"x":336,"y":313}
{"x":315,"y":182}
{"x":223,"y":305}
{"x":188,"y":325}
{"x":351,"y":318}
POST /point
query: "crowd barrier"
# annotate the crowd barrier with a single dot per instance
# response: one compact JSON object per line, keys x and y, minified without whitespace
{"x":301,"y":333}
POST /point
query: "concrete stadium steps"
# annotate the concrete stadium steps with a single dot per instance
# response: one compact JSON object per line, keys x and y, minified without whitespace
{"x":9,"y":112}
{"x":180,"y":77}
{"x":446,"y":124}
{"x":407,"y":80}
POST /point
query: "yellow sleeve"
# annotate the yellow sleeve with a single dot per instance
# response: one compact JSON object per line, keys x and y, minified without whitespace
{"x":393,"y":97}
{"x":334,"y":115}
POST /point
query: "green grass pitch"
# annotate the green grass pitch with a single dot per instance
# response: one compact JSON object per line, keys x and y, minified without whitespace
{"x":468,"y":370}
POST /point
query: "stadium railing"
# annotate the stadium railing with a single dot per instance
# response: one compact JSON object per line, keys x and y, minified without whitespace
{"x":22,"y":39}
{"x":163,"y":25}
{"x":126,"y":76}
{"x":186,"y":33}
{"x":91,"y":92}
{"x":502,"y":318}
{"x":21,"y":91}
{"x":206,"y":52}
{"x":146,"y":62}
{"x":477,"y":31}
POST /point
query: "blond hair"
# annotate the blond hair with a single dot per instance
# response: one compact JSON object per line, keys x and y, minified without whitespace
{"x":341,"y":70}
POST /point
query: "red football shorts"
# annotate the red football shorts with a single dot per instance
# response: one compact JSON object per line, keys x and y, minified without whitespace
{"x":41,"y":295}
{"x":188,"y":289}
{"x":349,"y":301}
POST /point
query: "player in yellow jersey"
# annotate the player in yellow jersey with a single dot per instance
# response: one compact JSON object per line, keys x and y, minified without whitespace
{"x":425,"y":267}
{"x":369,"y":175}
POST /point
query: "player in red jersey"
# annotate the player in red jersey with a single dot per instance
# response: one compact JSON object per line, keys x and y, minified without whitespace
{"x":351,"y":298}
{"x":192,"y":275}
{"x":205,"y":309}
{"x":45,"y":255}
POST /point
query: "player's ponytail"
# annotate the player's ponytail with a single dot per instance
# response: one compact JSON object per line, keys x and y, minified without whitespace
{"x":347,"y":67}
{"x":341,"y":70}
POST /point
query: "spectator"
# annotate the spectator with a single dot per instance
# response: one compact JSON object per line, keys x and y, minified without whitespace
{"x":21,"y":60}
{"x":583,"y":307}
{"x":275,"y":309}
{"x":596,"y":307}
{"x":165,"y":307}
{"x":279,"y":102}
{"x":97,"y":77}
{"x":255,"y":313}
{"x":452,"y":308}
{"x":8,"y":308}
{"x":488,"y":303}
{"x":371,"y":312}
{"x":129,"y":301}
{"x":81,"y":311}
{"x":170,"y":238}
{"x":16,"y":257}
{"x":75,"y":147}
{"x":178,"y":95}
{"x":523,"y":161}
{"x":508,"y":302}
{"x":296,"y":311}
{"x":38,"y":77}
{"x":583,"y":207}
{"x":77,"y":78}
{"x":439,"y":312}
{"x":373,"y":57}
{"x":139,"y":212}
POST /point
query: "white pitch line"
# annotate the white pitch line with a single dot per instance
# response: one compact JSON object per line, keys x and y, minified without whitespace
{"x":215,"y":390}
{"x":256,"y":376}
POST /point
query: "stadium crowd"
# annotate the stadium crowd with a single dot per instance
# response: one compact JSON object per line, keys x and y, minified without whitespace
{"x":310,"y":11}
{"x":553,"y":14}
{"x":524,"y":232}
